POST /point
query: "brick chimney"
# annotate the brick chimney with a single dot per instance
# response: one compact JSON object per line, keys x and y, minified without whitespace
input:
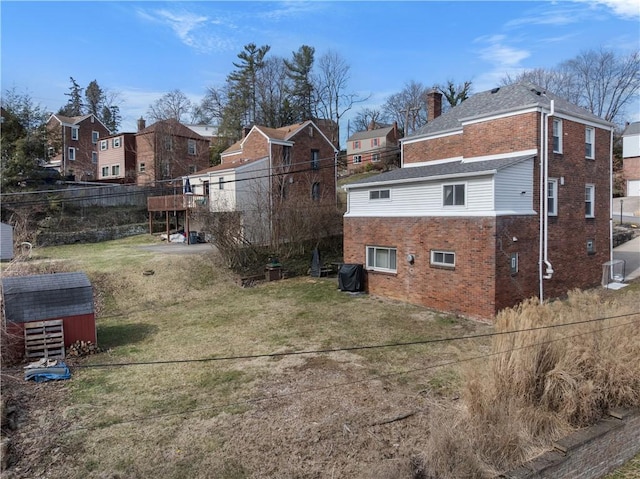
{"x":142,"y":124}
{"x":434,"y":104}
{"x":245,"y":131}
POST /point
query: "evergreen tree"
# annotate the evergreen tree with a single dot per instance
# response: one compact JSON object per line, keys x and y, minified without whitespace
{"x":74,"y":106}
{"x":244,"y":80}
{"x":301,"y":90}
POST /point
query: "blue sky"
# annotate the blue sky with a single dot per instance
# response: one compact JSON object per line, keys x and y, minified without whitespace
{"x":143,"y":50}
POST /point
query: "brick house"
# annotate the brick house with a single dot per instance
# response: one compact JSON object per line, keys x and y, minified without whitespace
{"x":117,"y":158}
{"x":73,"y":145}
{"x":503,"y":197}
{"x":267,"y":173}
{"x":167,"y":150}
{"x":376,"y":147}
{"x":631,"y":158}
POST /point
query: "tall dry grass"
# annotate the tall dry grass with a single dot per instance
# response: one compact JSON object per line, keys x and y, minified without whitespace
{"x":539,"y":384}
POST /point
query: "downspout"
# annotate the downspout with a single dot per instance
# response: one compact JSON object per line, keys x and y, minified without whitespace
{"x":610,"y":195}
{"x":270,"y":193}
{"x":549,"y":269}
{"x":335,"y":175}
{"x":543,"y":207}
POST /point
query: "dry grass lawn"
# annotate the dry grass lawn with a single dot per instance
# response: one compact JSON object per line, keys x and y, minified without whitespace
{"x":160,"y":400}
{"x":359,"y":413}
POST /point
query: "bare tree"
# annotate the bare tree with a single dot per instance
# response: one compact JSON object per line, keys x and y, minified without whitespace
{"x":174,"y":104}
{"x":599,"y":80}
{"x":608,"y":81}
{"x":408,"y":107}
{"x":367,"y":118}
{"x":331,"y":80}
{"x":560,"y":81}
{"x":455,"y":93}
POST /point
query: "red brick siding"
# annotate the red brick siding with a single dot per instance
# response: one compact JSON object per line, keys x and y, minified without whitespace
{"x":631,"y":168}
{"x":469,"y":289}
{"x":503,"y":135}
{"x":436,"y":149}
{"x":150,"y":149}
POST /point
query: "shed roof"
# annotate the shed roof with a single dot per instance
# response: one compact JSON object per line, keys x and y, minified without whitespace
{"x":46,"y":296}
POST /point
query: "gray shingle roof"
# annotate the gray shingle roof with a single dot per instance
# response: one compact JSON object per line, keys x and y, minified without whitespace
{"x":363,"y":135}
{"x":504,"y":99}
{"x":632,"y":129}
{"x":440,"y":169}
{"x":46,"y":296}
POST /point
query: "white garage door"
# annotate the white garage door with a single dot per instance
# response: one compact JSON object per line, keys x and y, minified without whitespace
{"x":633,"y":188}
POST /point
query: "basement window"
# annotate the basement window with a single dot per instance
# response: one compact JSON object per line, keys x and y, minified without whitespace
{"x":443,"y":258}
{"x":382,"y":259}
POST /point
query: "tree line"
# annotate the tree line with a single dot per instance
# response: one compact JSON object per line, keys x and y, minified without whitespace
{"x":274,"y":91}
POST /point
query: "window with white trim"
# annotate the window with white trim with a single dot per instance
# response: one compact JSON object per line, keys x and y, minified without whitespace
{"x":94,"y":157}
{"x":221,"y":183}
{"x":357,"y":159}
{"x":105,"y":171}
{"x":116,"y":142}
{"x":356,"y":145}
{"x":589,"y":201}
{"x":375,"y":158}
{"x":75,"y":132}
{"x":379,"y":194}
{"x":142,"y":167}
{"x":557,"y":135}
{"x":94,"y":137}
{"x":443,"y":258}
{"x":72,"y":154}
{"x":589,"y":142}
{"x":115,"y":170}
{"x":552,"y":197}
{"x":104,"y":144}
{"x":191,"y":147}
{"x":375,"y":141}
{"x":453,"y":195}
{"x":382,"y":259}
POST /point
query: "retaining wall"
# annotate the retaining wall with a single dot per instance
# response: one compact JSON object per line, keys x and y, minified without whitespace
{"x":589,"y":453}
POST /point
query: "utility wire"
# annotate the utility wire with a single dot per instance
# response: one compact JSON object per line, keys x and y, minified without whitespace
{"x":349,"y":348}
{"x":343,"y":384}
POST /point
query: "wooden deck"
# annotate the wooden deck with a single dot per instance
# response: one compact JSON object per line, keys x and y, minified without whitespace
{"x":175,"y":202}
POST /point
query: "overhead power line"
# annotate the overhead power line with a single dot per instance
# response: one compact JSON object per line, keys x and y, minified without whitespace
{"x":351,"y":348}
{"x":346,"y":383}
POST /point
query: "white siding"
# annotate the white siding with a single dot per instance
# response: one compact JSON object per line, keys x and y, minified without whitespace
{"x":510,"y":183}
{"x":423,"y":199}
{"x":487,"y":195}
{"x":631,"y":146}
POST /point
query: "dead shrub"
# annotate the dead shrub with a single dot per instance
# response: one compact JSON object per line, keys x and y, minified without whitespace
{"x":540,"y":383}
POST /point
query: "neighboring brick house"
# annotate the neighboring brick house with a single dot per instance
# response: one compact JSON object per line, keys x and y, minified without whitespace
{"x":168,"y":150}
{"x":631,"y":158}
{"x":73,"y":145}
{"x":117,"y":158}
{"x":377,"y":147}
{"x":461,"y":226}
{"x":267,"y":173}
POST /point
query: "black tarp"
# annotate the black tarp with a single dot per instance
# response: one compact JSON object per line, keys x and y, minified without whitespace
{"x":316,"y":263}
{"x":350,"y":277}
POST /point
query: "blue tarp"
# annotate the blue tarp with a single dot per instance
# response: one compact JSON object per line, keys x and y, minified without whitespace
{"x":52,"y":373}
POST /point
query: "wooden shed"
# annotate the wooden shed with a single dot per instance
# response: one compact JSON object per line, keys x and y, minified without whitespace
{"x":60,"y":296}
{"x":6,"y":242}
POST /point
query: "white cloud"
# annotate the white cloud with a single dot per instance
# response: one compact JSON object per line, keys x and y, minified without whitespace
{"x":499,"y":53}
{"x":192,"y":29}
{"x":623,"y":8}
